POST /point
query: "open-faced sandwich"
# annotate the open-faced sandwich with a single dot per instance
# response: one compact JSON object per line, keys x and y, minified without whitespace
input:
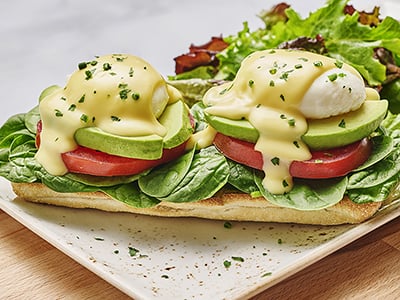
{"x":294,"y":136}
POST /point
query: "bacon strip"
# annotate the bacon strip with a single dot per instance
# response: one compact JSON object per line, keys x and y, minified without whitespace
{"x":202,"y":55}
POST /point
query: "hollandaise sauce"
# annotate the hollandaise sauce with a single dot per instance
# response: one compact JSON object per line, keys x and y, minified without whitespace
{"x":120,"y":94}
{"x":268,"y":91}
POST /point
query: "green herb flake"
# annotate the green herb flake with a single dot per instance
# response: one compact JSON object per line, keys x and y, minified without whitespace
{"x":106,"y":66}
{"x":318,"y":161}
{"x":133,"y":251}
{"x":298,"y":66}
{"x":227,"y":225}
{"x":135,"y":96}
{"x":130,"y":72}
{"x":332,"y":77}
{"x":284,"y":76}
{"x":271,"y":83}
{"x":282,"y":116}
{"x":238,"y":258}
{"x":251,"y":83}
{"x":123,"y":94}
{"x":164,"y":276}
{"x":84,"y":118}
{"x":63,"y":99}
{"x":115,"y":119}
{"x":303,"y":59}
{"x":342,"y":124}
{"x":292,"y":122}
{"x":99,"y":239}
{"x":341,"y":75}
{"x":285,"y":184}
{"x":318,"y":63}
{"x":282,"y":97}
{"x":72,"y":107}
{"x":266,"y":274}
{"x":82,"y":65}
{"x":339,"y":64}
{"x":275,"y":161}
{"x":58,"y":113}
{"x":93,"y":62}
{"x":88,"y":74}
{"x":273,"y":71}
{"x":296,"y":144}
{"x":227,"y":263}
{"x":82,"y":99}
{"x":280,"y":241}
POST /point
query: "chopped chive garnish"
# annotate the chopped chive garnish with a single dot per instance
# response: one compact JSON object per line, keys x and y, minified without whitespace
{"x":318,"y":63}
{"x":292,"y":122}
{"x":332,"y":77}
{"x":106,"y":66}
{"x":84,"y":118}
{"x":275,"y":161}
{"x":82,"y":99}
{"x":227,"y":263}
{"x":82,"y":65}
{"x":58,"y":113}
{"x":238,"y":258}
{"x":339,"y":64}
{"x":135,"y":96}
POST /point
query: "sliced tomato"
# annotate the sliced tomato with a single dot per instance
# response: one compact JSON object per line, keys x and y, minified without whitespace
{"x":88,"y":161}
{"x":323,"y":164}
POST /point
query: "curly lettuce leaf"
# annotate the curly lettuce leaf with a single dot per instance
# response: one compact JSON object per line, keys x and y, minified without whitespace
{"x":345,"y":39}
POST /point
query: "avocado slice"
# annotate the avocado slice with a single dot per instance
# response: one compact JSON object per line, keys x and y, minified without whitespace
{"x":175,"y":118}
{"x":240,"y":129}
{"x":347,"y":128}
{"x":322,"y":133}
{"x":143,"y":147}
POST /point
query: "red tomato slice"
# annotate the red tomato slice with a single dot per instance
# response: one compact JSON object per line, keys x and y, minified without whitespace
{"x":323,"y":164}
{"x":88,"y":161}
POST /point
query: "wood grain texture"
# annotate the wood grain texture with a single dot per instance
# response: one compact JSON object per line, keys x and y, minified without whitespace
{"x":369,"y":268}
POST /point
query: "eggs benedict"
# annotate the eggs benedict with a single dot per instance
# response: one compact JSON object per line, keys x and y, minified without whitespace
{"x":114,"y":104}
{"x":118,"y":138}
{"x":280,"y":92}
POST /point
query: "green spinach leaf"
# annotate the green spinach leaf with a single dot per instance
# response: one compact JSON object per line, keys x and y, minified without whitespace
{"x":208,"y":173}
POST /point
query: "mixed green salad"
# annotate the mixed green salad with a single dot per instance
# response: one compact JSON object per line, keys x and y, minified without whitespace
{"x":373,"y":49}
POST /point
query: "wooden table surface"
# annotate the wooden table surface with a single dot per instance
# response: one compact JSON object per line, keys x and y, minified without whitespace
{"x":369,"y":268}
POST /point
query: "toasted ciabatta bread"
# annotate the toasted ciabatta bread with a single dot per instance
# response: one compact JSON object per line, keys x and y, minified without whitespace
{"x":225,"y":205}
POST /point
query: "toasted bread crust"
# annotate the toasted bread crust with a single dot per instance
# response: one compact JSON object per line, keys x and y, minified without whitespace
{"x":225,"y":205}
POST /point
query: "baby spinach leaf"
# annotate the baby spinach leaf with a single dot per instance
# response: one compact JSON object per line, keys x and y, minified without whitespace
{"x":382,"y":146}
{"x":161,"y":181}
{"x":32,"y":117}
{"x":376,"y":174}
{"x":208,"y":173}
{"x":241,"y":177}
{"x":375,"y":193}
{"x":130,"y":194}
{"x":307,"y":194}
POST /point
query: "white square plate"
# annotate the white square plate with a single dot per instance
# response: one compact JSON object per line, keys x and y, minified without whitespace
{"x":162,"y":258}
